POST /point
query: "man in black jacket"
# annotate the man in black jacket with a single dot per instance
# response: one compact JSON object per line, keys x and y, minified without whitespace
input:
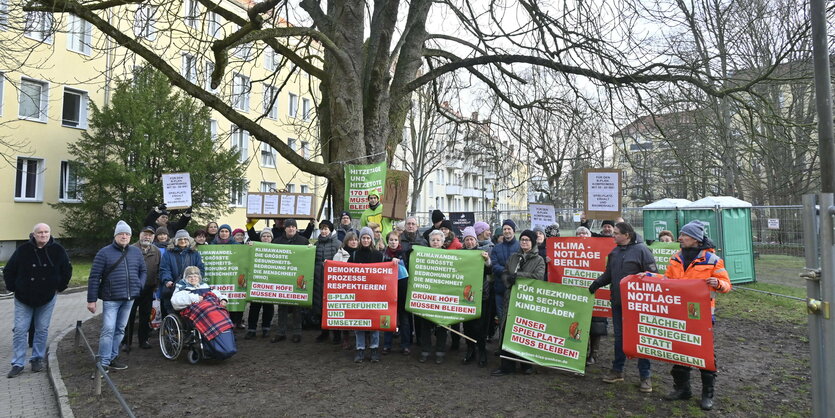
{"x":289,"y":237}
{"x":37,"y":271}
{"x":629,"y":257}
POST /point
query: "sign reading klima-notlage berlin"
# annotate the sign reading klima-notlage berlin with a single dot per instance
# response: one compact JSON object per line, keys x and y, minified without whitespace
{"x":578,"y":261}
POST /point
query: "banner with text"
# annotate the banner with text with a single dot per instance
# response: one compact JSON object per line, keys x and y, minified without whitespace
{"x":445,"y":285}
{"x":360,"y":296}
{"x":227,"y":270}
{"x":359,"y":180}
{"x":667,"y":320}
{"x":282,"y":274}
{"x":578,"y":261}
{"x":548,"y":324}
{"x":662,"y":251}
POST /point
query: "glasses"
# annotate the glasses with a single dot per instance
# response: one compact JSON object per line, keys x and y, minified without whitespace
{"x":524,"y":240}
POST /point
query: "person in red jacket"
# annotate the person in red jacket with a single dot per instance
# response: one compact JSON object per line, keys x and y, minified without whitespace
{"x":697,"y":261}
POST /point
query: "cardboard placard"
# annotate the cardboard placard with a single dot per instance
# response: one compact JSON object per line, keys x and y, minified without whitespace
{"x":602,"y":197}
{"x":396,"y":194}
{"x":542,"y":215}
{"x":176,"y":190}
{"x":260,"y":205}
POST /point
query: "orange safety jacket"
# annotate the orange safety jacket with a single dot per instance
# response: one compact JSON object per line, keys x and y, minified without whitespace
{"x":706,"y":265}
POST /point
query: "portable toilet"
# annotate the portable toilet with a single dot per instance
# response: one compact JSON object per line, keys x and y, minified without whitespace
{"x":661,"y":215}
{"x":728,"y":224}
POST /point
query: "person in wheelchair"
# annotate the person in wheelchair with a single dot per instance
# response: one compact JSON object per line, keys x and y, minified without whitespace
{"x":205,"y":308}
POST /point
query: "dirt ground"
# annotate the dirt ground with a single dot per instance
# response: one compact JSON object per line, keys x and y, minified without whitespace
{"x":763,"y":371}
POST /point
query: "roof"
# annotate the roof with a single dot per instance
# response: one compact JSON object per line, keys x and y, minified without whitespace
{"x":668,"y":203}
{"x":720,"y":201}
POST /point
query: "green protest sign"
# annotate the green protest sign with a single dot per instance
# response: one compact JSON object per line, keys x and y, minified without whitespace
{"x":227,"y":270}
{"x":548,"y":324}
{"x":359,"y":180}
{"x":662,"y":251}
{"x":445,"y":285}
{"x":282,"y":274}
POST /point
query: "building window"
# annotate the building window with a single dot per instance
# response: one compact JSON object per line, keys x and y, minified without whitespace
{"x":237,"y":193}
{"x":213,"y":24}
{"x":69,"y":189}
{"x":291,"y":142}
{"x":191,"y":12}
{"x":213,"y":129}
{"x":243,"y":51}
{"x":305,"y":149}
{"x":210,"y":68}
{"x":79,"y":35}
{"x":240,"y":92}
{"x":144,"y":22}
{"x":74,"y":113}
{"x":267,"y":187}
{"x":28,"y":179}
{"x":270,"y":59}
{"x":306,"y":109}
{"x":270,"y":105}
{"x":267,"y":155}
{"x":38,"y":26}
{"x":33,"y":100}
{"x":293,"y":107}
{"x":304,"y":188}
{"x":189,"y":68}
{"x":291,"y":188}
{"x":240,"y":142}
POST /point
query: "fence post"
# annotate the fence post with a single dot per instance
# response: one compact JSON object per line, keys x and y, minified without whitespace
{"x":77,"y":331}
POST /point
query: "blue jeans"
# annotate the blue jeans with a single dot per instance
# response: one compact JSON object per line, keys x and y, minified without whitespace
{"x":375,"y":339}
{"x":620,"y":357}
{"x":23,"y":316}
{"x":115,"y":315}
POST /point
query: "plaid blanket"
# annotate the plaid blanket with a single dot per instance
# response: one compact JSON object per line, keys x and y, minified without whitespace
{"x":208,"y":317}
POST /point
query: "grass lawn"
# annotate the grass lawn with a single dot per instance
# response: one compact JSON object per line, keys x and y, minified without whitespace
{"x":80,"y":271}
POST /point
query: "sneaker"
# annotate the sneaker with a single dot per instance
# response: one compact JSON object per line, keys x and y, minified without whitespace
{"x":117,"y":364}
{"x":646,"y":385}
{"x":406,"y":351}
{"x":278,"y":338}
{"x":249,"y":335}
{"x":375,"y":355}
{"x":613,"y":376}
{"x":360,"y":356}
{"x":37,"y":365}
{"x":15,"y":371}
{"x":386,"y":350}
{"x":423,"y":357}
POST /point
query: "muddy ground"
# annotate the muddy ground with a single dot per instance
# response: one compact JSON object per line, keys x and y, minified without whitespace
{"x":763,"y":371}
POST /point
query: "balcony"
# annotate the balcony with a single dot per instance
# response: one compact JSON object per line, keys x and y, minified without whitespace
{"x":453,"y":190}
{"x":471,"y":192}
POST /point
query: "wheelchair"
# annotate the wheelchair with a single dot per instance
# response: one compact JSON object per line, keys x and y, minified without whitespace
{"x":177,"y":334}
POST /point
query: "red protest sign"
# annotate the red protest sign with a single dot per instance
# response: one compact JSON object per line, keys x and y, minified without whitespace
{"x":360,"y":296}
{"x":667,"y":320}
{"x":578,"y":261}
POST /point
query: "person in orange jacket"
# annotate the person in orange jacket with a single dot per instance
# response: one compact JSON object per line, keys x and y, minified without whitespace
{"x":697,"y":260}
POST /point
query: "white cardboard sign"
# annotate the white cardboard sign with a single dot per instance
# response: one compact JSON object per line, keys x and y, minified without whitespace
{"x":176,"y":190}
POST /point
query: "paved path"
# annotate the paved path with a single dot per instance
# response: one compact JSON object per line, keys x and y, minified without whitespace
{"x":30,"y":394}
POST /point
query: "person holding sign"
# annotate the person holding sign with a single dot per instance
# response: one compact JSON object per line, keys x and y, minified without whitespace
{"x":266,"y":310}
{"x":476,"y":328}
{"x":697,"y":260}
{"x":374,"y":213}
{"x":525,"y":263}
{"x":629,"y":257}
{"x":289,"y":237}
{"x":327,"y":245}
{"x":366,"y":254}
{"x":424,"y":326}
{"x":159,"y":217}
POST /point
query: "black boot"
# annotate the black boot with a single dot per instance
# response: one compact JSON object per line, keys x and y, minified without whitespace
{"x":482,"y":357}
{"x":708,"y":379}
{"x":470,"y":356}
{"x":594,"y":345}
{"x":681,"y":384}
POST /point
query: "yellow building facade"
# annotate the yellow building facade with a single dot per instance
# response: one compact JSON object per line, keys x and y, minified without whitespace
{"x":55,"y":65}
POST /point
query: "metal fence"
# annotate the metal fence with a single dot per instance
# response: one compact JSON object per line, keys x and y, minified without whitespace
{"x":774,"y":229}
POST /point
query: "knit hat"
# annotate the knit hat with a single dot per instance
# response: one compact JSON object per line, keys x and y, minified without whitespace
{"x":437,"y":216}
{"x":552,"y":230}
{"x":162,"y":231}
{"x":226,"y":227}
{"x":469,"y":232}
{"x":238,"y":231}
{"x":290,"y":222}
{"x":539,"y":228}
{"x":148,"y":229}
{"x":446,"y":223}
{"x":345,"y":213}
{"x":530,"y":234}
{"x":266,"y":231}
{"x":326,"y":223}
{"x":181,"y":234}
{"x":510,"y":223}
{"x":366,"y":231}
{"x":163,"y":213}
{"x":694,"y":229}
{"x":608,"y":222}
{"x":121,"y":227}
{"x":374,"y":193}
{"x":480,"y":227}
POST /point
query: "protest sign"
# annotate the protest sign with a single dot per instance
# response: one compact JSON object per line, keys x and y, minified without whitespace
{"x":445,"y":285}
{"x":176,"y":190}
{"x":277,"y":205}
{"x":602,"y":194}
{"x":282,"y":274}
{"x":662,"y":251}
{"x":548,"y":324}
{"x":360,"y":296}
{"x":667,"y":320}
{"x":542,"y":215}
{"x":578,"y":261}
{"x":359,"y":180}
{"x":461,"y":220}
{"x":227,"y":270}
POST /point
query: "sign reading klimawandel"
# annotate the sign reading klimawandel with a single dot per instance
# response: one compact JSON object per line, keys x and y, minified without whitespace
{"x":227,"y":270}
{"x":282,"y":274}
